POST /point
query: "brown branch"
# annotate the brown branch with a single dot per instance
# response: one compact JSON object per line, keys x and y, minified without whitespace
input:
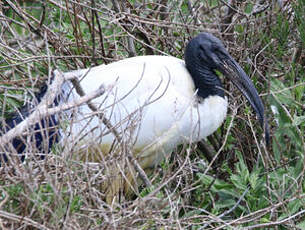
{"x":42,"y":109}
{"x":276,"y":223}
{"x":22,"y":219}
{"x":130,"y":41}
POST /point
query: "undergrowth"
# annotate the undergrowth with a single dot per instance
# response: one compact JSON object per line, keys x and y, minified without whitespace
{"x":248,"y":184}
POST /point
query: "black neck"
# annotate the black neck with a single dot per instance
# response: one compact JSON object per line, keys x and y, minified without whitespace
{"x":206,"y":80}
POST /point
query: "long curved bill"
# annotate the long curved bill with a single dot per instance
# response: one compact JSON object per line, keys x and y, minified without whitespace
{"x":231,"y":69}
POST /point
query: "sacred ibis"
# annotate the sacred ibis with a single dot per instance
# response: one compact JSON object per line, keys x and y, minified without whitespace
{"x":154,"y":103}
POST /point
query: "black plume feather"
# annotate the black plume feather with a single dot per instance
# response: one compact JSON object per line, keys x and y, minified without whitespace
{"x":43,"y":134}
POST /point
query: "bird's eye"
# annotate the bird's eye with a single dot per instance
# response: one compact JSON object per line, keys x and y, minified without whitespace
{"x":220,"y":51}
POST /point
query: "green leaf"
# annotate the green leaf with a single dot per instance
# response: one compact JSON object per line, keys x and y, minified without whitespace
{"x":284,"y":96}
{"x":253,"y":179}
{"x":301,"y":225}
{"x":298,"y":120}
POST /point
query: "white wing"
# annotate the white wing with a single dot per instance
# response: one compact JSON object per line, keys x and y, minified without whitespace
{"x":150,"y":100}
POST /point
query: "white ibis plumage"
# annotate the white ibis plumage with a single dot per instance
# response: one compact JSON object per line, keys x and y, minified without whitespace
{"x":155,"y":102}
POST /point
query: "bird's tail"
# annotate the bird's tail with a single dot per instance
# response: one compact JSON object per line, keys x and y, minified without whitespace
{"x":37,"y":139}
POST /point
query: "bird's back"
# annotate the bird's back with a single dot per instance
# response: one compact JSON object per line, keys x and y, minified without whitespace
{"x":139,"y":75}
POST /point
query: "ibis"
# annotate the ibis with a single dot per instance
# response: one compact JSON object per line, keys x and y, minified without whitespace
{"x":153,"y":103}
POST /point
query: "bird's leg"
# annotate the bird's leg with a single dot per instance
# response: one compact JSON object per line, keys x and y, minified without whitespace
{"x":121,"y":180}
{"x":119,"y":174}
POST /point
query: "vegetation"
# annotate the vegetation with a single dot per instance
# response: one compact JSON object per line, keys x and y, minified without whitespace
{"x":231,"y":181}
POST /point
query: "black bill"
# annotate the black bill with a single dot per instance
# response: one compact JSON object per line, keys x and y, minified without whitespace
{"x":231,"y":69}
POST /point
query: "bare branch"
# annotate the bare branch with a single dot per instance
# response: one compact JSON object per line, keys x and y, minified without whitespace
{"x":42,"y":109}
{"x":22,"y":219}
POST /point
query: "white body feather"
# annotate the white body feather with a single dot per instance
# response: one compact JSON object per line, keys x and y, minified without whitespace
{"x":152,"y":103}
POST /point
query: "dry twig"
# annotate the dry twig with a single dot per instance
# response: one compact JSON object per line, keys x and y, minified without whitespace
{"x":42,"y":110}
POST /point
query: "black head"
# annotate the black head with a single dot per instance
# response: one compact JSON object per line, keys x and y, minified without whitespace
{"x":204,"y":55}
{"x":208,"y":49}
